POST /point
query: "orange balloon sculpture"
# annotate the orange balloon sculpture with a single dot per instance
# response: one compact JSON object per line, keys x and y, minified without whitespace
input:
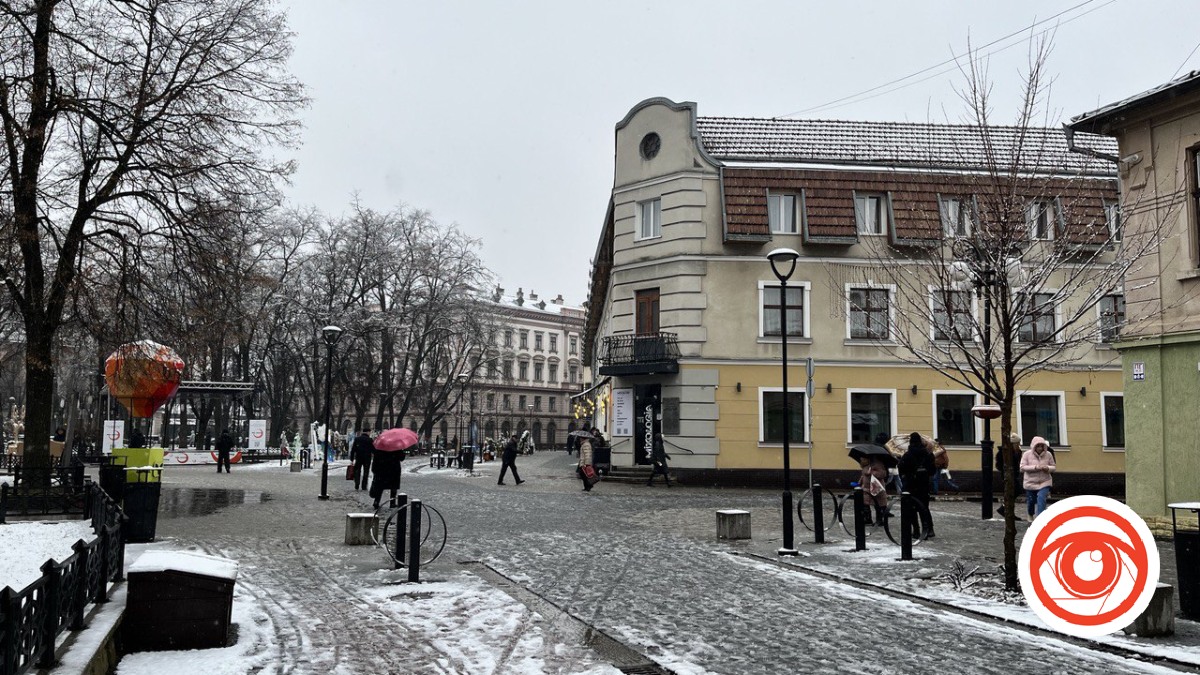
{"x":142,"y":375}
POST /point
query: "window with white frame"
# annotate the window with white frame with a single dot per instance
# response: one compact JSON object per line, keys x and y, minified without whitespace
{"x":1038,"y":323}
{"x":554,"y":372}
{"x":649,"y":219}
{"x":1112,"y":317}
{"x":574,"y":345}
{"x":521,"y":403}
{"x":958,"y":216}
{"x":1042,"y":415}
{"x":870,"y":310}
{"x":537,"y":372}
{"x":871,"y":212}
{"x":771,"y":307}
{"x":537,"y":341}
{"x":771,"y":416}
{"x":1112,"y":219}
{"x":782,"y":213}
{"x":870,"y":415}
{"x":553,"y":404}
{"x":553,"y":343}
{"x":508,"y":369}
{"x":953,"y":423}
{"x":491,"y":401}
{"x":493,"y":370}
{"x":524,"y":339}
{"x":1114,"y":420}
{"x":508,"y":337}
{"x":523,"y":370}
{"x":507,"y":401}
{"x":952,"y":318}
{"x":537,"y":403}
{"x":573,"y":374}
{"x":1043,"y":219}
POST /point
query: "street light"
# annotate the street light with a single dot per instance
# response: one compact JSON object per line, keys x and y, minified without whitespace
{"x":785,"y":258}
{"x":331,"y":334}
{"x":462,"y":388}
{"x":529,"y":421}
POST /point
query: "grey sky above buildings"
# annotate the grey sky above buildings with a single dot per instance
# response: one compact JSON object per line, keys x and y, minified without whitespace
{"x":499,"y":117}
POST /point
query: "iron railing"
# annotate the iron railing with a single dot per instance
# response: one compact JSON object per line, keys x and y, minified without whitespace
{"x":56,"y":490}
{"x":633,"y":350}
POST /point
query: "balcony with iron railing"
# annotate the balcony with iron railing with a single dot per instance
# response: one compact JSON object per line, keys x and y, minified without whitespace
{"x":646,"y":354}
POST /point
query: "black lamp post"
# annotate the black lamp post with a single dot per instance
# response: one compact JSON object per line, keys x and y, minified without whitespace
{"x":783,"y":264}
{"x":462,"y":389}
{"x":330,"y":334}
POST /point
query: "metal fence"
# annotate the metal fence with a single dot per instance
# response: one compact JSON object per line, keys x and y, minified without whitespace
{"x":33,"y":617}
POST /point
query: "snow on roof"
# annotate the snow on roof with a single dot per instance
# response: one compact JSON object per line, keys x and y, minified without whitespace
{"x":186,"y":561}
{"x":900,"y":144}
{"x":1096,"y":119}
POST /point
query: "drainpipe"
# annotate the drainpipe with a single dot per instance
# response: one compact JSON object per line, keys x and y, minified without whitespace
{"x":1070,"y":134}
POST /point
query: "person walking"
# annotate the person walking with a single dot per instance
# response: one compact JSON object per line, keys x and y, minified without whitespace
{"x":1038,"y":465}
{"x":509,"y":461}
{"x":872,"y":479}
{"x":916,"y":468}
{"x":659,"y":457}
{"x":361,"y":453}
{"x":224,"y":446}
{"x":584,"y":464}
{"x":386,"y":469}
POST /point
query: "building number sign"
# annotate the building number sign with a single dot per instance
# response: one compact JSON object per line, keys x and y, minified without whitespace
{"x":1139,"y":371}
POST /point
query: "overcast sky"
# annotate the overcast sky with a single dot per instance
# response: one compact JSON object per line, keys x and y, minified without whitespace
{"x":499,"y":116}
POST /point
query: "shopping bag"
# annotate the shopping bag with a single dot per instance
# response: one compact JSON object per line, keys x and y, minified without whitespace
{"x":350,"y":472}
{"x":589,"y":474}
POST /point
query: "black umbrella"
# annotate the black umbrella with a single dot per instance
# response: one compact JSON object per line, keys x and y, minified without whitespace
{"x":871,"y":451}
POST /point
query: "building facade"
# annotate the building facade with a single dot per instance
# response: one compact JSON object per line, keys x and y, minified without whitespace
{"x":683,"y":311}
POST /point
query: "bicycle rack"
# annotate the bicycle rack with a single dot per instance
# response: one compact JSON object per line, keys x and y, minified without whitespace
{"x":410,"y":525}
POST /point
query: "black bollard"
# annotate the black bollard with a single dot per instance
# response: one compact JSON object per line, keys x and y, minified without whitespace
{"x":906,"y":519}
{"x":860,"y":526}
{"x":414,"y":541}
{"x":401,"y":531}
{"x":819,"y":529}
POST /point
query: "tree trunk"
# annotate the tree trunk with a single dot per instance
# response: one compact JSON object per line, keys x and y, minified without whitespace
{"x":39,"y":393}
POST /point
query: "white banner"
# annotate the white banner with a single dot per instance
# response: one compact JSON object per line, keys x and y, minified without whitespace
{"x":194,"y":457}
{"x":622,"y":412}
{"x":258,"y":435}
{"x":114,"y":435}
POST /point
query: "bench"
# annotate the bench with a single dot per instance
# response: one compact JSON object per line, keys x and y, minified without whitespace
{"x":733,"y":524}
{"x":361,"y":528}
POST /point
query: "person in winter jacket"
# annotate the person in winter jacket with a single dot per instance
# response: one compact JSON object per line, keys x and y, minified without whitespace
{"x":585,"y":459}
{"x":386,"y":467}
{"x":874,"y":493}
{"x":361,"y":453}
{"x":509,"y":461}
{"x":1037,"y":464}
{"x":659,"y":456}
{"x":224,"y":447}
{"x":916,"y":469}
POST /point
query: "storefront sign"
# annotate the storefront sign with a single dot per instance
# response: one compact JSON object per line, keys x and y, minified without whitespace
{"x":622,"y":412}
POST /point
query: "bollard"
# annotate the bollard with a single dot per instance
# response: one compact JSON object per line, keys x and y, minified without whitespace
{"x":819,"y":529}
{"x":906,"y":519}
{"x":401,"y":531}
{"x":414,"y":541}
{"x":860,"y":526}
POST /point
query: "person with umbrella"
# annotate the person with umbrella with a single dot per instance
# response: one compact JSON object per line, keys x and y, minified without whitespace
{"x":584,"y":467}
{"x":389,"y":452}
{"x":875,"y":462}
{"x":916,"y":469}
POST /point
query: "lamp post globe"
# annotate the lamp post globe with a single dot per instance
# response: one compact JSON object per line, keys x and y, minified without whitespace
{"x":330,"y":334}
{"x":783,"y":265}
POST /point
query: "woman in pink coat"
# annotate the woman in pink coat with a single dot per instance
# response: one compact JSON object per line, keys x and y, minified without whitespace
{"x":1038,"y":466}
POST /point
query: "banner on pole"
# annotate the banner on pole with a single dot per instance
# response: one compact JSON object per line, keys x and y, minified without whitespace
{"x":258,"y":435}
{"x":114,"y":435}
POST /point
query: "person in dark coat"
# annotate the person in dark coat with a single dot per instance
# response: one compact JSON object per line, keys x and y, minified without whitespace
{"x":510,"y":461}
{"x":386,"y":467}
{"x":916,"y":469}
{"x":224,"y":447}
{"x":361,"y":453}
{"x":659,"y":457}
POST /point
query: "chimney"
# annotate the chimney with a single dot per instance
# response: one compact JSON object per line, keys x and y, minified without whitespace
{"x":497,"y":294}
{"x":532,"y":295}
{"x":520,"y":297}
{"x":558,"y":300}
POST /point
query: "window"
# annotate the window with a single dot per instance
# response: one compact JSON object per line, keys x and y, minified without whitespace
{"x":1038,"y":323}
{"x":869,"y":310}
{"x":573,"y":372}
{"x":537,"y":341}
{"x":524,"y":339}
{"x":781,"y":214}
{"x":954,"y":424}
{"x":1112,"y":317}
{"x":1043,"y":219}
{"x":523,"y":370}
{"x":771,"y":416}
{"x":553,"y":404}
{"x":508,"y":338}
{"x":508,"y":401}
{"x":537,"y":372}
{"x":870,"y":415}
{"x":521,"y":403}
{"x":491,"y":401}
{"x":1041,"y":416}
{"x":952,"y":315}
{"x":553,"y":343}
{"x":574,"y":345}
{"x":1194,"y":180}
{"x":769,"y":295}
{"x":871,"y":211}
{"x":537,"y":403}
{"x":958,"y":216}
{"x":554,"y":372}
{"x":1114,"y":420}
{"x":493,"y":370}
{"x":1112,"y":219}
{"x":650,"y":219}
{"x":646,"y":312}
{"x":508,"y":371}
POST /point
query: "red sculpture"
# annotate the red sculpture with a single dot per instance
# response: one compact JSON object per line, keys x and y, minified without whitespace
{"x":142,"y":375}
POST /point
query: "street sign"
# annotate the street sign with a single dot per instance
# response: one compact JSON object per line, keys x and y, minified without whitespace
{"x":808,"y":365}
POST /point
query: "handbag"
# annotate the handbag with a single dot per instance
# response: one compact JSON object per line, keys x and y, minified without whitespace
{"x":349,"y":472}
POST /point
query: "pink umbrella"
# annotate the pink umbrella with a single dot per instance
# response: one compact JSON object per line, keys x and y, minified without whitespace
{"x":393,"y":440}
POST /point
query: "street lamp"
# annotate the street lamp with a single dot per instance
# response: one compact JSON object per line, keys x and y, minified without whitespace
{"x":331,"y":334}
{"x":529,"y":421}
{"x":785,"y":258}
{"x":462,"y":388}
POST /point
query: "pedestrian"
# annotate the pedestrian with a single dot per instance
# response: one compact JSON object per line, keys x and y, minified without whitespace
{"x":385,"y":465}
{"x":1038,"y":465}
{"x":872,"y":479}
{"x":601,"y":453}
{"x":361,"y":453}
{"x":659,"y":457}
{"x":916,"y":469}
{"x":224,"y":447}
{"x":584,"y":465}
{"x":509,"y":461}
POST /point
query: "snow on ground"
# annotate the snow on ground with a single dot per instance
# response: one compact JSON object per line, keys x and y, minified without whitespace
{"x":25,"y":547}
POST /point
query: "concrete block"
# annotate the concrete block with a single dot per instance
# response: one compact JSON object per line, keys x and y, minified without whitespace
{"x":1158,"y":619}
{"x":296,"y":467}
{"x":733,"y":524}
{"x":361,"y":528}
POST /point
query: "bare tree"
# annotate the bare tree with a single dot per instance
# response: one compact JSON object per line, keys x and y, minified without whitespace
{"x":118,"y":118}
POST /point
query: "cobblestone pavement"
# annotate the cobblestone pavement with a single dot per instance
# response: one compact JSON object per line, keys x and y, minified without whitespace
{"x":640,"y":564}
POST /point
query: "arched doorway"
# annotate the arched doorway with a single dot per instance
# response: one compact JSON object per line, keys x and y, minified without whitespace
{"x":505,"y":430}
{"x":537,"y":434}
{"x":489,"y":430}
{"x":551,"y":439}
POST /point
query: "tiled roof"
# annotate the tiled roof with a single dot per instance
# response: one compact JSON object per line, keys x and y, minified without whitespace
{"x":1098,"y":119}
{"x":899,"y":144}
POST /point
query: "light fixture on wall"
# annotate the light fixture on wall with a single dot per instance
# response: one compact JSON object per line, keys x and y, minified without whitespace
{"x":829,"y":388}
{"x":914,"y":390}
{"x":1083,"y":391}
{"x":739,"y":387}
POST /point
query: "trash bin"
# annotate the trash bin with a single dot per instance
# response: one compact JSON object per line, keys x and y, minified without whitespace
{"x":141,"y":510}
{"x":1187,"y":561}
{"x":112,"y":478}
{"x":178,"y":600}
